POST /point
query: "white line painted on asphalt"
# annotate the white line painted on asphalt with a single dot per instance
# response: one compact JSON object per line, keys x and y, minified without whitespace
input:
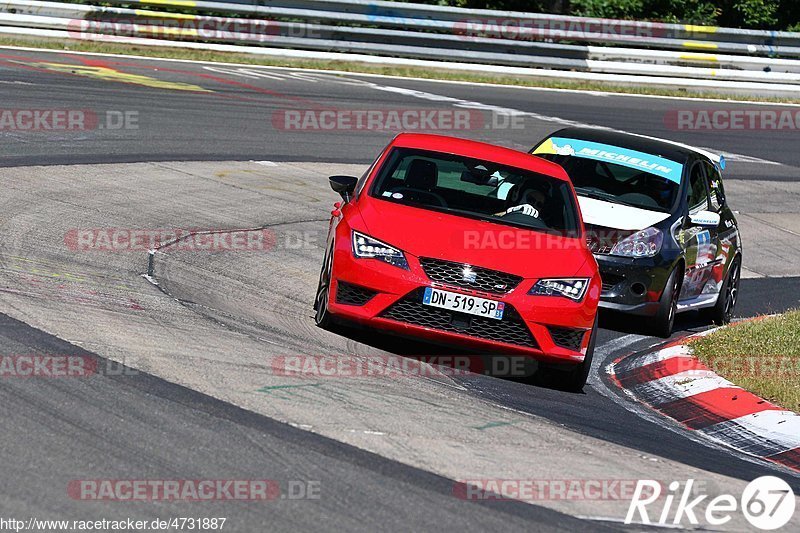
{"x":411,"y":78}
{"x":245,"y":73}
{"x":301,"y":75}
{"x":508,"y":111}
{"x":746,"y":159}
{"x":457,"y":102}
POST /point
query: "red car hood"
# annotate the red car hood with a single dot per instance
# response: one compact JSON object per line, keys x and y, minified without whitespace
{"x":425,"y":233}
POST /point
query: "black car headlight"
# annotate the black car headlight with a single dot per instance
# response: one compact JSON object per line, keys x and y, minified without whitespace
{"x":645,"y":243}
{"x":365,"y":247}
{"x":572,"y":288}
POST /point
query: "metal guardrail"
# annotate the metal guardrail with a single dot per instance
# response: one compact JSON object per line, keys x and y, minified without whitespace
{"x":429,"y":33}
{"x":523,"y":25}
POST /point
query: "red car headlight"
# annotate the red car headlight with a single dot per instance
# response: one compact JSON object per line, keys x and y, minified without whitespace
{"x":365,"y":247}
{"x":572,"y":288}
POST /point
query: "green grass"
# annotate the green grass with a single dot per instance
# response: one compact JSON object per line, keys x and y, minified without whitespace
{"x":355,"y":67}
{"x":762,"y":356}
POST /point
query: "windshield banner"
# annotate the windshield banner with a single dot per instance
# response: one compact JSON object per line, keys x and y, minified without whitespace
{"x":612,"y":154}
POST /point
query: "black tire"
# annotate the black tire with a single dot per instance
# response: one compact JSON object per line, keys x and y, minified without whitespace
{"x":664,"y":319}
{"x":575,"y":379}
{"x":322,"y":316}
{"x":722,"y":312}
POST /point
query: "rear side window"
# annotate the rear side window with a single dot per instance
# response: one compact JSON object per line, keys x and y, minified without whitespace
{"x":716,"y":194}
{"x":697,"y":197}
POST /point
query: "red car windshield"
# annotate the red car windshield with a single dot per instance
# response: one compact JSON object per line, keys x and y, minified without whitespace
{"x":474,"y":188}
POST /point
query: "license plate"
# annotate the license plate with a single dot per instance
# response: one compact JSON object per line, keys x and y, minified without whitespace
{"x":463,"y":303}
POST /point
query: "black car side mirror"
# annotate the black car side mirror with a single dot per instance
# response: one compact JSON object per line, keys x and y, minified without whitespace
{"x":344,"y":185}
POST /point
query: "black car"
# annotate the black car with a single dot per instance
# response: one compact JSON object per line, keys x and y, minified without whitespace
{"x":657,"y":222}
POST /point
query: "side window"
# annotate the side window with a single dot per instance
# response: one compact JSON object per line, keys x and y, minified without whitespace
{"x":716,"y":194}
{"x":698,"y":197}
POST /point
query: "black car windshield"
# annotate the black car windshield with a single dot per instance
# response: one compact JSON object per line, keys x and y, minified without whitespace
{"x":475,"y":188}
{"x":615,"y":174}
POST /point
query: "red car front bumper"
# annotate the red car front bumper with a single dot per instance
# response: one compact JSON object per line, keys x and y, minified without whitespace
{"x":536,"y":326}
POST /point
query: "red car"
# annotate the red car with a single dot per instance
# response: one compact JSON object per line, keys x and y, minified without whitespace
{"x":466,"y":244}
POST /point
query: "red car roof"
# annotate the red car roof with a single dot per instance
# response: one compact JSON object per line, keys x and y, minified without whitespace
{"x":479,"y":150}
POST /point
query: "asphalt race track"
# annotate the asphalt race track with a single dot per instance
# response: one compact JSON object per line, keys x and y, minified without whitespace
{"x":184,"y":145}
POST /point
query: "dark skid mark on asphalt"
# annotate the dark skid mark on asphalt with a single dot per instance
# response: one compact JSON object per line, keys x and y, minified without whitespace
{"x":20,"y":62}
{"x":202,"y":75}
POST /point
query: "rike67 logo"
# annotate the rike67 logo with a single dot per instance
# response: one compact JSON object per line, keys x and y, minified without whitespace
{"x":767,"y":503}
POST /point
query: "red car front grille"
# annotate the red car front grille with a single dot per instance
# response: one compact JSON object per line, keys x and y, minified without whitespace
{"x":510,"y":330}
{"x":349,"y":294}
{"x":569,"y":338}
{"x":468,"y":276}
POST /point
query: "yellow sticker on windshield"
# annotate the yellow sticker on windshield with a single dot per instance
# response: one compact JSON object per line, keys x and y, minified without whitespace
{"x":546,"y":147}
{"x":660,"y":166}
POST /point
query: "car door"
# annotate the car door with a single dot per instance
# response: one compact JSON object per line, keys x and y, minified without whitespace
{"x":727,"y":231}
{"x":700,"y":243}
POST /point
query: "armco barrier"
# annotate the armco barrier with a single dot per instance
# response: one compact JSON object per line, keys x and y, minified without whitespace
{"x":429,"y":33}
{"x":534,"y":25}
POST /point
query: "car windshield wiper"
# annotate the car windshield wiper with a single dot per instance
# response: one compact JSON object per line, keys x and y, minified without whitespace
{"x":597,"y":195}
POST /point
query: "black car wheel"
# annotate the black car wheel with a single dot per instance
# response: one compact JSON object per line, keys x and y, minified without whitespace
{"x":322,"y":317}
{"x":722,"y":312}
{"x":575,"y":379}
{"x":664,"y":319}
